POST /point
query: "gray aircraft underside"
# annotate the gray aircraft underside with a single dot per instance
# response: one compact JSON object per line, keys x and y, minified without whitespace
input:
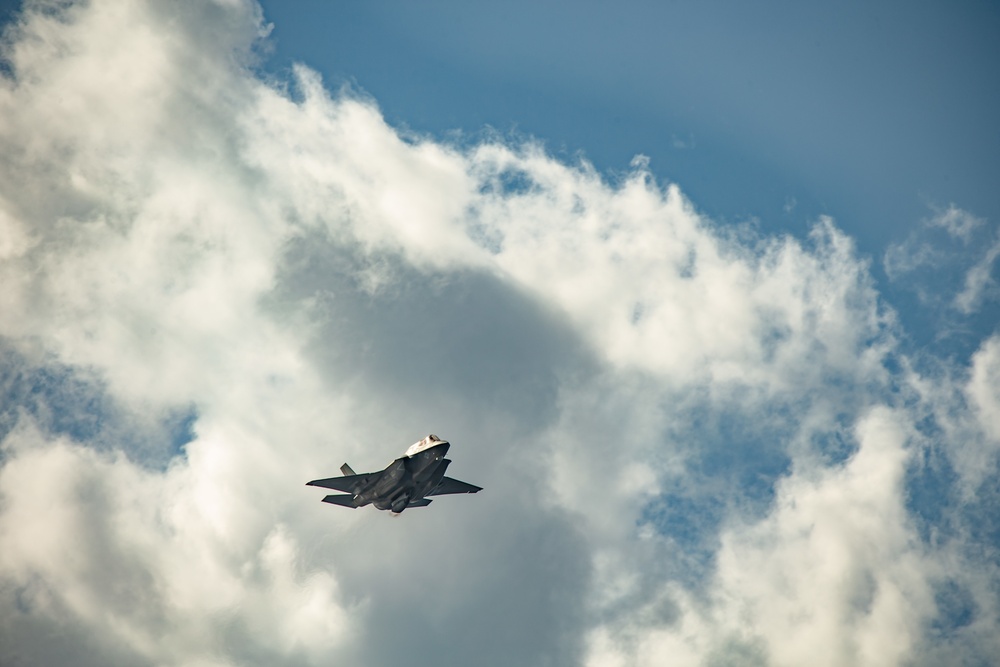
{"x":406,"y":482}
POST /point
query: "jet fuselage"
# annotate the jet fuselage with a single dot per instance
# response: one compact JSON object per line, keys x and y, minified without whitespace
{"x":403,"y":483}
{"x":405,"y":479}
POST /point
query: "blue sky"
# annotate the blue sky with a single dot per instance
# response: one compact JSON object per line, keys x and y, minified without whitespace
{"x":868,"y":113}
{"x":876,"y":115}
{"x":734,"y":404}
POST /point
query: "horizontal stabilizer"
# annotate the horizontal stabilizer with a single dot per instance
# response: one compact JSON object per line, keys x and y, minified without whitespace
{"x":423,"y":502}
{"x":348,"y":483}
{"x":346,"y":500}
{"x":347,"y":470}
{"x":449,"y":485}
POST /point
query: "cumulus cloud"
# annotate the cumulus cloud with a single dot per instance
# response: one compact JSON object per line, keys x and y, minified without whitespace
{"x":697,"y":442}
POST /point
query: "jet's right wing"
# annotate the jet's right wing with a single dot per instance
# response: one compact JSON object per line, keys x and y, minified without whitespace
{"x":347,"y":483}
{"x":338,"y":499}
{"x":449,"y":485}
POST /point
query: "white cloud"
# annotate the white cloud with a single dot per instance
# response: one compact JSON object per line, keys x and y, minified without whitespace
{"x":157,"y":565}
{"x":654,"y":286}
{"x":961,"y":403}
{"x":836,"y":565}
{"x":979,"y":282}
{"x":958,"y":223}
{"x":984,"y":387}
{"x":675,"y":422}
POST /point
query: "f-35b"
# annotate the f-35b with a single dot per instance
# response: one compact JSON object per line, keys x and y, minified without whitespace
{"x":406,"y":482}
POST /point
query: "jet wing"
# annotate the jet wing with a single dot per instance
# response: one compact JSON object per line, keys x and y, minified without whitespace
{"x":449,"y":485}
{"x":337,"y":499}
{"x":347,"y":483}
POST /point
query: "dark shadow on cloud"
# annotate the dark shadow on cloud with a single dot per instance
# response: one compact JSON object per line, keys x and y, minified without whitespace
{"x":115,"y":572}
{"x":27,"y":639}
{"x":111,"y":582}
{"x":507,"y":587}
{"x":245,"y":646}
{"x":436,"y":347}
{"x":498,"y":578}
{"x":739,"y":652}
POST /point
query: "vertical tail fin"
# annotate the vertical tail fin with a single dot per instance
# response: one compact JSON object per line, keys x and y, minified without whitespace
{"x":346,"y":469}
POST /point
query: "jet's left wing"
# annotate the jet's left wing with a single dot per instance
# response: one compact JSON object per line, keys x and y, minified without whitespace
{"x":449,"y":485}
{"x":346,"y":483}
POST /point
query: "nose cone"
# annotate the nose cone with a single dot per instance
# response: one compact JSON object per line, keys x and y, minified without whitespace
{"x":434,"y":454}
{"x":428,"y":461}
{"x":429,"y":443}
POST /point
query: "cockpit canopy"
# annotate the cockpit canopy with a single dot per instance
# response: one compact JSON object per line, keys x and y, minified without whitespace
{"x":426,"y":443}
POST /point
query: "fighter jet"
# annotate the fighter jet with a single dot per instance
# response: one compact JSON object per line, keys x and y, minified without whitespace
{"x":404,"y":483}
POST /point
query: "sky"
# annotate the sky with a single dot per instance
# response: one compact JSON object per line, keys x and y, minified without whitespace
{"x":879,"y":115}
{"x":705,"y":301}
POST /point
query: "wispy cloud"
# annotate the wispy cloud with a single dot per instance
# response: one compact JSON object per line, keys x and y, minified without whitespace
{"x":949,"y":260}
{"x":958,"y":223}
{"x":979,"y":282}
{"x":697,"y":442}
